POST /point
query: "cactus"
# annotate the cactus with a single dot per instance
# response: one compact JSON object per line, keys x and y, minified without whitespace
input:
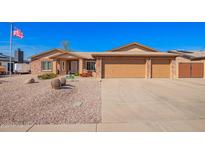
{"x":56,"y":84}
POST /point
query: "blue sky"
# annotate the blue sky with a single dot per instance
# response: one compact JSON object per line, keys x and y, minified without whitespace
{"x":93,"y":36}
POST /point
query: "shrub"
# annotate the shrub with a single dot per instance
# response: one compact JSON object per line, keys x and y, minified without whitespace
{"x":88,"y":74}
{"x":71,"y":76}
{"x":76,"y":74}
{"x":47,"y":76}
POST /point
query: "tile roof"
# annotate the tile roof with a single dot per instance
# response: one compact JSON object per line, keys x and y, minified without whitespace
{"x":47,"y":52}
{"x":85,"y":55}
{"x":190,"y":54}
{"x":90,"y":55}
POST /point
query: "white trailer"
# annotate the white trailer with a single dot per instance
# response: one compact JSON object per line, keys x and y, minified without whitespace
{"x":21,"y":68}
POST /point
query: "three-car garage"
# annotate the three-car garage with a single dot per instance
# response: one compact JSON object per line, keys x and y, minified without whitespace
{"x":159,"y":68}
{"x":139,"y":61}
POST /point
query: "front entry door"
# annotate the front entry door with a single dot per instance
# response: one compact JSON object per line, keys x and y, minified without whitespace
{"x":74,"y":67}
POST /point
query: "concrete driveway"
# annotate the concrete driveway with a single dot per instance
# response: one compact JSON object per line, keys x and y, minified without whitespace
{"x":153,"y":105}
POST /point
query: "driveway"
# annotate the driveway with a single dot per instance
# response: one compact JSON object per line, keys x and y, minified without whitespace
{"x":153,"y":105}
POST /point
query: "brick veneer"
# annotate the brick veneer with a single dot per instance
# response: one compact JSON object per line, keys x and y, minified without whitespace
{"x":98,"y":68}
{"x":173,"y":69}
{"x":148,"y":69}
{"x":36,"y":66}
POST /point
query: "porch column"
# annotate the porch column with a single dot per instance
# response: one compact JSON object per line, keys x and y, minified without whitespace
{"x":148,"y":69}
{"x":54,"y":66}
{"x":99,"y":68}
{"x":58,"y":66}
{"x":80,"y":66}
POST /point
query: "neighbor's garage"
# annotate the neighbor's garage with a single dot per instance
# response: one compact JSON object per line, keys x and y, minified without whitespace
{"x":191,"y":70}
{"x":123,"y":68}
{"x":160,"y":68}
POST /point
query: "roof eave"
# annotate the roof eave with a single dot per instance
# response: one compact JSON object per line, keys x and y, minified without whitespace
{"x":198,"y":58}
{"x":42,"y":53}
{"x":129,"y":55}
{"x":69,"y":53}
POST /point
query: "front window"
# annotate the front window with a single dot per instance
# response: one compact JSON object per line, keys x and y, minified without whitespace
{"x":90,"y":65}
{"x":46,"y":65}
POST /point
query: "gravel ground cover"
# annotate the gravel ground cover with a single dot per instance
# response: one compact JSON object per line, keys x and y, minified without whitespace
{"x":22,"y":104}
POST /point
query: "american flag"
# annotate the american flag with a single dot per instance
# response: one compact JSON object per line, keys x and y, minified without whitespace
{"x":18,"y":33}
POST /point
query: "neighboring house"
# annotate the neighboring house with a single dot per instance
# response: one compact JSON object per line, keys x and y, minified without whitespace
{"x":5,"y":62}
{"x":129,"y":61}
{"x":190,"y":64}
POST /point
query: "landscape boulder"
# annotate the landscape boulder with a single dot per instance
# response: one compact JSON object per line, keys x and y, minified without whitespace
{"x":31,"y":80}
{"x":56,"y":84}
{"x":63,"y":81}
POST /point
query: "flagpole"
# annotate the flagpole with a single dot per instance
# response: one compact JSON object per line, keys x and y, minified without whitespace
{"x":11,"y":38}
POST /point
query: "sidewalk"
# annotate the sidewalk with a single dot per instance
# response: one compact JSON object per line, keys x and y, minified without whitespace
{"x":102,"y":127}
{"x":137,"y":126}
{"x":50,"y":128}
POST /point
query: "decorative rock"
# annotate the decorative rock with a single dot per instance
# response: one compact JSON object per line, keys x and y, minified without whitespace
{"x":56,"y":84}
{"x":77,"y":104}
{"x":31,"y":80}
{"x":63,"y":81}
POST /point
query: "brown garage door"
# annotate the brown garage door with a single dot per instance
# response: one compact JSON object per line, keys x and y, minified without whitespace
{"x":184,"y":70}
{"x":160,"y":68}
{"x":191,"y":70}
{"x":197,"y":70}
{"x":124,"y":68}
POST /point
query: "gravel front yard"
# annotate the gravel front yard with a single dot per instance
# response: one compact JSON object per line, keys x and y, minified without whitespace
{"x":22,"y":104}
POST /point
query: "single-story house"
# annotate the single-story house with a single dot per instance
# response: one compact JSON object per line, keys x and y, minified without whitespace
{"x":129,"y":61}
{"x":189,"y":64}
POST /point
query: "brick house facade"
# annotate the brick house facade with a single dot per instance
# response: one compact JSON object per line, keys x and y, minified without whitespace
{"x":133,"y":61}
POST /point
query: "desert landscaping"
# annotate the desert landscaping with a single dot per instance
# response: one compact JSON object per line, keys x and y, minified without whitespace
{"x":37,"y":103}
{"x":88,"y":104}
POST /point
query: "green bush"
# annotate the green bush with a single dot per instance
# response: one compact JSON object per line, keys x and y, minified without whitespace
{"x":71,"y":76}
{"x":77,"y":74}
{"x":47,"y":76}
